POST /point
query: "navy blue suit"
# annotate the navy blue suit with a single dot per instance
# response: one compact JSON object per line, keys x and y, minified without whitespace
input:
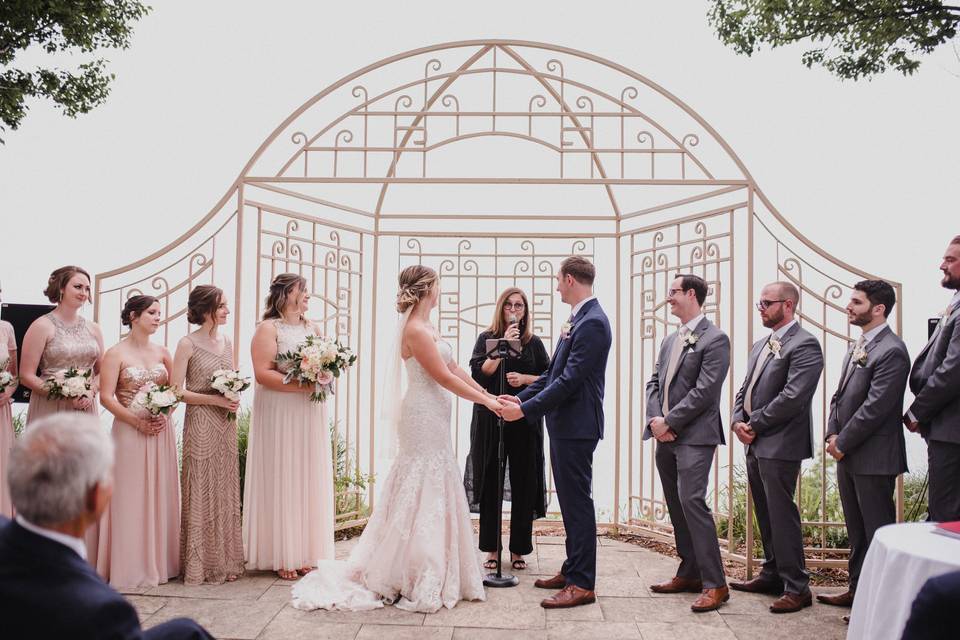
{"x":934,"y":610}
{"x":570,"y":396}
{"x":48,"y":591}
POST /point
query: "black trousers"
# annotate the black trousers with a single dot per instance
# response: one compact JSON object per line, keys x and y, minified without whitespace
{"x":943,"y":464}
{"x":867,"y":505}
{"x":519,"y":450}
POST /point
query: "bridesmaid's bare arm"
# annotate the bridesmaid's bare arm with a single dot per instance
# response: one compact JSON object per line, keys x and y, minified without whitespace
{"x":110,"y":375}
{"x":178,"y":378}
{"x":38,"y":334}
{"x":95,"y":378}
{"x":263,"y":352}
{"x":12,"y":367}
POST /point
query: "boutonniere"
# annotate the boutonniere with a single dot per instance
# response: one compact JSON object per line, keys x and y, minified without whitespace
{"x":690,"y":340}
{"x":859,"y":356}
{"x":566,"y":329}
{"x":775,"y":346}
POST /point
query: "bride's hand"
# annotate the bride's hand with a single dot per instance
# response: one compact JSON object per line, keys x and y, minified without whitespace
{"x":491,"y":403}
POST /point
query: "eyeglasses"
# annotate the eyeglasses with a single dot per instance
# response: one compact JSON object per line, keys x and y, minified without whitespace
{"x":673,"y":292}
{"x":763,"y":305}
{"x":518,"y":306}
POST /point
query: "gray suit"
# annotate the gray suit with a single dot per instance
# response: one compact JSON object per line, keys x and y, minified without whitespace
{"x":935,"y":380}
{"x":684,"y":464}
{"x":865,"y":417}
{"x":781,"y":417}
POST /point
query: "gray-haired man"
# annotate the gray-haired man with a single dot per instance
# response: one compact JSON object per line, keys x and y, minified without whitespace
{"x":61,"y":480}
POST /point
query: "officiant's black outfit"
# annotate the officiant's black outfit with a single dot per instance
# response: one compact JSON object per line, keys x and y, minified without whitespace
{"x":525,"y":488}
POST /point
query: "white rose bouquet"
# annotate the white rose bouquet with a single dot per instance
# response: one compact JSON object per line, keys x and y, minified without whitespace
{"x":7,"y":379}
{"x":68,"y":383}
{"x":156,"y":399}
{"x":317,"y":362}
{"x":229,"y":384}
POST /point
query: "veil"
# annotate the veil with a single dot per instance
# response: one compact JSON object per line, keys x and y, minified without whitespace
{"x":394,"y":387}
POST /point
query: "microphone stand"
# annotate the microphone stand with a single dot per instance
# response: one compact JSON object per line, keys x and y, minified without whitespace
{"x":501,"y":349}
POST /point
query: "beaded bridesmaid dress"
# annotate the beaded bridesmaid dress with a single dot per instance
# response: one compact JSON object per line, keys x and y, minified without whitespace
{"x":140,"y":532}
{"x":8,"y":343}
{"x":70,"y":346}
{"x":211,"y":545}
{"x":288,"y":511}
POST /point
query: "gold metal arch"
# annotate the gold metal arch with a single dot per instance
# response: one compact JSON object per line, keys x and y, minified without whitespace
{"x":675,"y":196}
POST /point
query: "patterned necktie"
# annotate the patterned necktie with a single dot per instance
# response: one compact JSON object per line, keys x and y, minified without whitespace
{"x":748,"y":396}
{"x":675,"y":352}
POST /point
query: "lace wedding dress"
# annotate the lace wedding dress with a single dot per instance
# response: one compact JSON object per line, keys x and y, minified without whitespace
{"x":417,"y":551}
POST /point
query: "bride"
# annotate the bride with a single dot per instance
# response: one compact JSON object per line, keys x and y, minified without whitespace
{"x":417,"y":551}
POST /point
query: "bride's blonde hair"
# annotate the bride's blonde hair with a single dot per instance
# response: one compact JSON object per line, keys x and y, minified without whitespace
{"x":415,"y":282}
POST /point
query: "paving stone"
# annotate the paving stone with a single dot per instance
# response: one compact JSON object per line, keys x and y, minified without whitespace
{"x":592,"y":630}
{"x":396,"y":632}
{"x":685,"y":631}
{"x":236,"y":619}
{"x":146,"y":606}
{"x":245,"y":588}
{"x":659,"y":609}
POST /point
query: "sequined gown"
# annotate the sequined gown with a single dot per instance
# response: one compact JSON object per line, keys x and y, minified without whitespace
{"x":288,"y":509}
{"x":71,"y":346}
{"x":418,"y":550}
{"x":211,"y":545}
{"x":140,"y":532}
{"x":8,"y":343}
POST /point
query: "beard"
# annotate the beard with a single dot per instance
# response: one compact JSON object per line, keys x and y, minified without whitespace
{"x":773,"y":319}
{"x":861,"y":319}
{"x":950,"y":282}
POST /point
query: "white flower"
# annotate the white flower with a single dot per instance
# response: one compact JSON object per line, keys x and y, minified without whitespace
{"x":689,"y":340}
{"x":74,"y":387}
{"x":859,"y":356}
{"x":565,"y":329}
{"x":775,"y":346}
{"x":164,"y":398}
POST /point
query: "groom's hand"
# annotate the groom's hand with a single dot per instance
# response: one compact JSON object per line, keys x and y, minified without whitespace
{"x":510,"y":409}
{"x":504,"y":399}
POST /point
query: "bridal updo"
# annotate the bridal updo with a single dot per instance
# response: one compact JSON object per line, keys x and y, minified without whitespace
{"x":415,"y":282}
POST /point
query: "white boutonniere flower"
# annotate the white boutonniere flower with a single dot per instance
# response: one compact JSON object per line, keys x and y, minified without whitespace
{"x":775,"y":347}
{"x":690,"y":340}
{"x":565,"y":330}
{"x":859,"y":356}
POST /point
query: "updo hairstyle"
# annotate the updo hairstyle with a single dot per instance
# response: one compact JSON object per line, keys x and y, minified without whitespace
{"x":415,"y":282}
{"x":58,"y":280}
{"x":135,"y":306}
{"x":203,"y":302}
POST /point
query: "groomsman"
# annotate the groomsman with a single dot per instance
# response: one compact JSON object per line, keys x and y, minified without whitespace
{"x":772,"y":416}
{"x":864,"y":431}
{"x":683,"y":414}
{"x":935,"y":412}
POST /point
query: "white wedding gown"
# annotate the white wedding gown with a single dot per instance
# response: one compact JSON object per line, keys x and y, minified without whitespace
{"x":417,"y":551}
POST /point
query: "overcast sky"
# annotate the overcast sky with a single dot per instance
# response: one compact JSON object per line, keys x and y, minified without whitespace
{"x":866,"y":170}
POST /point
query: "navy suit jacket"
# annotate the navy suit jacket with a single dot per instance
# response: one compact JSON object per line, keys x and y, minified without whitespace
{"x":570,"y":393}
{"x":48,"y":591}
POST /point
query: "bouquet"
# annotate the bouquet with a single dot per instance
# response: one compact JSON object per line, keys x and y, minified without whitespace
{"x":68,"y":383}
{"x":155,"y":399}
{"x":229,"y":384}
{"x":7,"y":379}
{"x":317,"y":362}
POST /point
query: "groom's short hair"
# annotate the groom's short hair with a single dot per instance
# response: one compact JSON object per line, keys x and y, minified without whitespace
{"x":580,"y":268}
{"x":699,"y":285}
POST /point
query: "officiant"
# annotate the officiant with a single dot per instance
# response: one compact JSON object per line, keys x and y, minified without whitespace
{"x":523,"y":440}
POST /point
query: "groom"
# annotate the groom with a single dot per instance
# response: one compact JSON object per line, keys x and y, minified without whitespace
{"x":570,"y":395}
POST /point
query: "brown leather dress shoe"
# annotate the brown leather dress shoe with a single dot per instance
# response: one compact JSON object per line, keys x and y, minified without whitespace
{"x":759,"y":585}
{"x":677,"y":584}
{"x":556,"y":582}
{"x":711,"y":599}
{"x":838,"y":600}
{"x":570,"y":596}
{"x":791,"y":602}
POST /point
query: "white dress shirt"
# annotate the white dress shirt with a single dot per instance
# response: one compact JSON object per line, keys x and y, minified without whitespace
{"x":579,"y":305}
{"x":693,"y":323}
{"x":76,"y":544}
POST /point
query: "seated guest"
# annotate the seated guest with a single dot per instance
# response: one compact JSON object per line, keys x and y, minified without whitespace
{"x":61,"y":478}
{"x":934,"y":608}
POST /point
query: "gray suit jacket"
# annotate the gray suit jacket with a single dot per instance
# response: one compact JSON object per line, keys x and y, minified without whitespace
{"x":781,"y":401}
{"x":695,"y":389}
{"x":865,"y":411}
{"x":935,"y":380}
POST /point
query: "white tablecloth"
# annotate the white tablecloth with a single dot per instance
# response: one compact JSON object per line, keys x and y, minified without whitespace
{"x":901,"y":558}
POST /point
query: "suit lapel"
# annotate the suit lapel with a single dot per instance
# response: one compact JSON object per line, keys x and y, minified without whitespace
{"x":783,"y":342}
{"x":843,"y":371}
{"x":700,"y":329}
{"x":664,"y":363}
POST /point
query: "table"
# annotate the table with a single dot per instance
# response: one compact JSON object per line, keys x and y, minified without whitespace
{"x":901,"y":558}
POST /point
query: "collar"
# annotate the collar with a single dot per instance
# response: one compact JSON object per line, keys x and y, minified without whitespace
{"x":779,"y":333}
{"x":76,"y":544}
{"x":873,"y":333}
{"x":955,"y":299}
{"x":692,"y":325}
{"x":576,"y":309}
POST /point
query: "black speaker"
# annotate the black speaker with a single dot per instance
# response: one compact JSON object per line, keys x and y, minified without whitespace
{"x":21,"y":316}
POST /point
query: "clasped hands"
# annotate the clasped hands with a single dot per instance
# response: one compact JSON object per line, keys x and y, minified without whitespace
{"x":744,"y":432}
{"x":833,"y":450}
{"x":661,"y":430}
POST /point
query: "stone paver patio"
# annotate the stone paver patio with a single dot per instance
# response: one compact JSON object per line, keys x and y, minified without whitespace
{"x":257,"y":607}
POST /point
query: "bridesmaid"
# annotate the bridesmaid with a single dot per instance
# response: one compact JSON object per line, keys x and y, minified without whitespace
{"x":288,"y":509}
{"x":140,"y":531}
{"x":59,"y":340}
{"x":8,"y":354}
{"x":211,"y":546}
